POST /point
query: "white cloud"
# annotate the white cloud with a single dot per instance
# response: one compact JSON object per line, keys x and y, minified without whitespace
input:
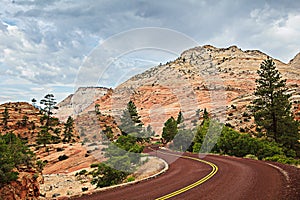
{"x":45,"y":42}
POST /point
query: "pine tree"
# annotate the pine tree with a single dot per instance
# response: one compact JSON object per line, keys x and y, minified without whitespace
{"x":97,"y":109}
{"x":69,"y":128}
{"x":205,"y":114}
{"x":133,"y":113}
{"x":5,"y":118}
{"x":169,"y":130}
{"x":33,"y":102}
{"x":179,"y":118}
{"x":13,"y":155}
{"x":272,"y":108}
{"x":49,"y":102}
{"x":130,"y":120}
{"x":44,"y":137}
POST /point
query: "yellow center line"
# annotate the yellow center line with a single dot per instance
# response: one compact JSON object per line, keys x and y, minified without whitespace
{"x":199,"y":182}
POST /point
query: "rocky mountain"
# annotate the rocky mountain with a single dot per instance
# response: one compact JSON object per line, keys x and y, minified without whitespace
{"x":75,"y":103}
{"x":219,"y":79}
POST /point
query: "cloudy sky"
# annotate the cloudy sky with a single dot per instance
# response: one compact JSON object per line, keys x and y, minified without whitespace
{"x":44,"y":44}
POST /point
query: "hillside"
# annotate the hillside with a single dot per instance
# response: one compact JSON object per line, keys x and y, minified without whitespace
{"x":75,"y":103}
{"x":24,"y":120}
{"x":219,"y":79}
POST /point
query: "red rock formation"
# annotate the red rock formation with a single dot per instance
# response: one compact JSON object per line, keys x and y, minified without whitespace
{"x":25,"y":188}
{"x":218,"y":79}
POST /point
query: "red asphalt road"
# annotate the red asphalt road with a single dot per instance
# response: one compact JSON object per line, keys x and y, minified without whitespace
{"x":237,"y":178}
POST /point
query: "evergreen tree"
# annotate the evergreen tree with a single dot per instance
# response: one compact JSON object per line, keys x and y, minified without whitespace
{"x":133,"y":113}
{"x":24,"y":121}
{"x":49,"y":102}
{"x":130,"y":121}
{"x":179,"y":118}
{"x":205,"y":114}
{"x":33,"y":102}
{"x":56,"y":138}
{"x":272,"y":108}
{"x":68,"y":131}
{"x":5,"y":118}
{"x":13,"y":154}
{"x":44,"y":137}
{"x":97,"y":109}
{"x":169,"y":130}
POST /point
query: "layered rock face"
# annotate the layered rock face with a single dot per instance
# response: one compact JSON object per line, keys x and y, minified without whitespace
{"x":221,"y":80}
{"x":26,"y":187}
{"x":75,"y":103}
{"x":24,"y":120}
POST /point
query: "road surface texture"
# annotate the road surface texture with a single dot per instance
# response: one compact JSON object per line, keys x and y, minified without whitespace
{"x":236,"y":178}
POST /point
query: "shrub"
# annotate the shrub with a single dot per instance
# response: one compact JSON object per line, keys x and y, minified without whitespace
{"x":283,"y":159}
{"x":13,"y":154}
{"x":59,"y":149}
{"x":63,"y":157}
{"x":94,"y":165}
{"x":245,"y":114}
{"x":130,"y":179}
{"x":107,"y":176}
{"x":82,"y":172}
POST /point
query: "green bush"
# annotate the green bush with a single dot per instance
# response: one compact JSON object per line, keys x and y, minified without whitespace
{"x":94,"y":165}
{"x":82,"y":172}
{"x":233,"y":143}
{"x":13,"y":154}
{"x":196,"y":147}
{"x":107,"y":176}
{"x":63,"y":157}
{"x":130,"y":179}
{"x":283,"y":159}
{"x":60,"y":149}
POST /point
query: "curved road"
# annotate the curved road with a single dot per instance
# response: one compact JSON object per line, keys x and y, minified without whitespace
{"x":236,"y":178}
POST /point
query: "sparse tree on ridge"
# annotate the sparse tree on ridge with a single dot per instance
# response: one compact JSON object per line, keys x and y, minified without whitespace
{"x":49,"y":102}
{"x":34,"y":102}
{"x":5,"y":118}
{"x":68,"y":131}
{"x":97,"y":109}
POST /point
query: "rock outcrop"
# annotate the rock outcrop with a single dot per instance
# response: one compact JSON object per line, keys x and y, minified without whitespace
{"x":26,"y":187}
{"x":75,"y":103}
{"x":25,"y":121}
{"x":219,"y":79}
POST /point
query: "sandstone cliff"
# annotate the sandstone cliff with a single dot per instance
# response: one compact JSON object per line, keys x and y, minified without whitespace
{"x":219,"y":79}
{"x":75,"y":103}
{"x":25,"y":188}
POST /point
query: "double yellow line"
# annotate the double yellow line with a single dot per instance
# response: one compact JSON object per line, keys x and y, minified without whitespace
{"x":199,"y":182}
